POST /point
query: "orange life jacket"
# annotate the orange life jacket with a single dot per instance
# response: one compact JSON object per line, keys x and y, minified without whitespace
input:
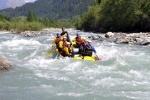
{"x":58,"y":39}
{"x":79,"y":41}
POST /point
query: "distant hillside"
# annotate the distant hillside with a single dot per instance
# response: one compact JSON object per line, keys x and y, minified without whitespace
{"x":54,"y":9}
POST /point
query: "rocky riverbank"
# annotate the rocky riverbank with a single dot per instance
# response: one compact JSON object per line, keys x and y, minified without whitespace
{"x":128,"y":38}
{"x":35,"y":33}
{"x":119,"y":37}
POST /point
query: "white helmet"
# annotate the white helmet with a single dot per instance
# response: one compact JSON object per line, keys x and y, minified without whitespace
{"x":68,"y":43}
{"x":64,"y":37}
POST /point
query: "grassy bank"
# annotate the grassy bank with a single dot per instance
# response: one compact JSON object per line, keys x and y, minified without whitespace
{"x":31,"y":23}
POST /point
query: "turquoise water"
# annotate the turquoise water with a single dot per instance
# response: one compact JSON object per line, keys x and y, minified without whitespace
{"x":123,"y":73}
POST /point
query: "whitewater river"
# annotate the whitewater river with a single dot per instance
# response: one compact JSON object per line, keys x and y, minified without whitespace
{"x":123,"y":73}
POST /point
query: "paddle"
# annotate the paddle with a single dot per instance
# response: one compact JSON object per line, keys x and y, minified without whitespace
{"x":49,"y":51}
{"x":97,"y":58}
{"x":57,"y":56}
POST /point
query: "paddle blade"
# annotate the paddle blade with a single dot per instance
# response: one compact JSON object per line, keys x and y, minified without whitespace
{"x":48,"y":52}
{"x":99,"y":59}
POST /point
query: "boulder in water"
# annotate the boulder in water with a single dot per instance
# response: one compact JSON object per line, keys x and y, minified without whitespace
{"x":146,"y":41}
{"x":4,"y":65}
{"x":122,"y":40}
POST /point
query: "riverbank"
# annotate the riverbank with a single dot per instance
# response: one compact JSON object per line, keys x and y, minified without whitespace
{"x":35,"y":33}
{"x":128,"y":38}
{"x":117,"y":37}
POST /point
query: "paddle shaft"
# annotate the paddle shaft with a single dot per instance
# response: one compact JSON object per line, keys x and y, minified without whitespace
{"x":49,"y":51}
{"x":97,"y":56}
{"x":53,"y":47}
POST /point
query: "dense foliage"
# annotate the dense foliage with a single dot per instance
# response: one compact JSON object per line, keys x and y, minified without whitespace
{"x":116,"y":15}
{"x":51,"y":9}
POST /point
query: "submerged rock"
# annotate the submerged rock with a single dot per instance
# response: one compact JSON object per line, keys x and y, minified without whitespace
{"x":4,"y":65}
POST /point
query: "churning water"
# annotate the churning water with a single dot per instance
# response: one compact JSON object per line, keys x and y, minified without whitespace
{"x":123,"y":73}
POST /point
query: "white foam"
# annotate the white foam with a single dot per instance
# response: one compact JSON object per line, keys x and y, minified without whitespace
{"x":4,"y":32}
{"x":136,"y":74}
{"x":21,"y":42}
{"x":42,"y":75}
{"x":105,"y":82}
{"x":71,"y":94}
{"x":46,"y":86}
{"x":54,"y":76}
{"x":72,"y":66}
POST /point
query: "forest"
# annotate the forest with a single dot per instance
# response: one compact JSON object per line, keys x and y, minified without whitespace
{"x":116,"y":16}
{"x":51,"y":9}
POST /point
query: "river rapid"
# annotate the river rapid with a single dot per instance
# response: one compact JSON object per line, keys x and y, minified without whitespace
{"x":123,"y":73}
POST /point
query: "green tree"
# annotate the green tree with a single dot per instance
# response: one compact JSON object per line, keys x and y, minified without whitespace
{"x":117,"y":15}
{"x":35,"y":17}
{"x":46,"y":22}
{"x":30,"y":17}
{"x":97,"y":2}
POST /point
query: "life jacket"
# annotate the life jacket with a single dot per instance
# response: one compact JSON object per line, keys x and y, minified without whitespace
{"x":58,"y":39}
{"x":79,"y":41}
{"x":87,"y":51}
{"x":64,"y":44}
{"x":63,"y":52}
{"x":69,"y":48}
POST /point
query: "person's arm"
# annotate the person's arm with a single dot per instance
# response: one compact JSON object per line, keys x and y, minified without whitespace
{"x":53,"y":42}
{"x":93,"y":49}
{"x":62,"y":33}
{"x":84,"y":45}
{"x":60,"y":44}
{"x":68,"y":38}
{"x":74,"y":40}
{"x":66,"y":50}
